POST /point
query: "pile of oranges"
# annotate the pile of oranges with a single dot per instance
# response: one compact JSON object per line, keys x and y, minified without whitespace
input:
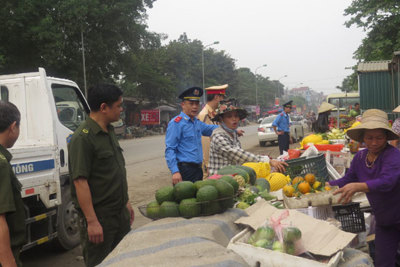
{"x":304,"y":185}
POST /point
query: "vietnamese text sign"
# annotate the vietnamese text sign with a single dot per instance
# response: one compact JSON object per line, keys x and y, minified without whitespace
{"x":150,"y":117}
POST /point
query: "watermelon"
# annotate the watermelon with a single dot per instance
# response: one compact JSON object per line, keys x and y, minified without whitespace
{"x":235,"y":170}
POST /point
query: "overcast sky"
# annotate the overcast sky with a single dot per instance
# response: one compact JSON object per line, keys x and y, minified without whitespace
{"x":303,"y":39}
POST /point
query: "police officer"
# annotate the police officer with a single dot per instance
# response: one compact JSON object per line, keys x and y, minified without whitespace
{"x":281,"y":126}
{"x":12,"y":212}
{"x":183,"y":152}
{"x":214,"y":95}
{"x":98,"y":177}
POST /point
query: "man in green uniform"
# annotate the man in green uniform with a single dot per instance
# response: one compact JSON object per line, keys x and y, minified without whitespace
{"x":99,"y":185}
{"x":12,"y":212}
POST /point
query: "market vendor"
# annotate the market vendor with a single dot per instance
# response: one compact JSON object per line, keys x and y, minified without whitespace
{"x":376,"y":171}
{"x":225,"y":147}
{"x":321,"y":125}
{"x":396,"y":129}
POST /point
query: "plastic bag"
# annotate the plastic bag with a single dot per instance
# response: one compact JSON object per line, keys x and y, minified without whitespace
{"x":284,"y":156}
{"x":310,"y":152}
{"x":294,"y":153}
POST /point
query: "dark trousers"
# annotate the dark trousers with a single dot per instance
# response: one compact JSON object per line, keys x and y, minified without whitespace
{"x":115,"y":227}
{"x":283,"y":142}
{"x":387,"y":241}
{"x":190,"y":171}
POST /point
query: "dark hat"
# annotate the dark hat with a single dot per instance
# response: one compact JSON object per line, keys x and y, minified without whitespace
{"x":288,"y":104}
{"x":192,"y":93}
{"x":229,"y":105}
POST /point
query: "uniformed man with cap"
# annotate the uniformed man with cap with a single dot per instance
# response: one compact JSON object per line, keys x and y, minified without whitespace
{"x":281,"y":127}
{"x":214,"y":95}
{"x":183,"y":152}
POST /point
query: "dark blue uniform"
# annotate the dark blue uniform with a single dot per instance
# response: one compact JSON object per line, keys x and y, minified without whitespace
{"x":183,"y":150}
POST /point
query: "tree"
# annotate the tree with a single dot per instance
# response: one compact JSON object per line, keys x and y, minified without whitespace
{"x":47,"y":33}
{"x":350,"y":83}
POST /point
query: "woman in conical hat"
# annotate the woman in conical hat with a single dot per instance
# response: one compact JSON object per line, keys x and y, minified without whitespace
{"x":321,"y":125}
{"x":396,"y":129}
{"x":376,"y":171}
{"x":225,"y":147}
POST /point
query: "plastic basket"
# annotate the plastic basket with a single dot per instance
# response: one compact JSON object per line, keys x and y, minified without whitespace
{"x":302,"y":166}
{"x":205,"y":208}
{"x":350,"y":216}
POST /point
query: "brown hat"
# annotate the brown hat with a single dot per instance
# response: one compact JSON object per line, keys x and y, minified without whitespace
{"x":228,"y":106}
{"x":370,"y":120}
{"x":324,"y":107}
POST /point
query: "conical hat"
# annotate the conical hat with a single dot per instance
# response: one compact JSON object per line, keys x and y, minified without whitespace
{"x":372,"y":119}
{"x":324,"y":107}
{"x":397,"y":109}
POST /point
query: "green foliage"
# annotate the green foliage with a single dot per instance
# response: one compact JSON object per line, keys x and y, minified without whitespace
{"x":350,"y":83}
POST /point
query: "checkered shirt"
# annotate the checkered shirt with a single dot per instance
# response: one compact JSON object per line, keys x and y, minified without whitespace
{"x":226,"y":150}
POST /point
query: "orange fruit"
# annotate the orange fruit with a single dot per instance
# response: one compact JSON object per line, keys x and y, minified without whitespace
{"x":297,"y":179}
{"x":288,"y":190}
{"x":310,"y":178}
{"x":304,"y":187}
{"x":327,"y":188}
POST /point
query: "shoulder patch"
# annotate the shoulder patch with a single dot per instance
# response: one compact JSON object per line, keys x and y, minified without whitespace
{"x":178,"y":119}
{"x":84,"y":130}
{"x":2,"y":157}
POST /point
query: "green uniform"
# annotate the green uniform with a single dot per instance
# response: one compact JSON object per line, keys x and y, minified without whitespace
{"x":97,"y":156}
{"x":11,"y":203}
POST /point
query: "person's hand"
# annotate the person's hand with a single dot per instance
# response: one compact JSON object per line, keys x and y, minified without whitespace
{"x":291,"y":140}
{"x":240,"y":132}
{"x":176,"y":178}
{"x":95,"y":231}
{"x":349,"y":190}
{"x":131,"y":212}
{"x":278,"y":165}
{"x":280,"y":132}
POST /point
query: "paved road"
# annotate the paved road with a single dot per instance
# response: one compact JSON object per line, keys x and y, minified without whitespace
{"x":147,"y":171}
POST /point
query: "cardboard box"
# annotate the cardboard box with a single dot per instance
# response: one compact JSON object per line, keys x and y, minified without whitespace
{"x":318,"y":237}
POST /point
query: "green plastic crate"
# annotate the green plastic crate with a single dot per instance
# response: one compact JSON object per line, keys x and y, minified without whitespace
{"x":302,"y":166}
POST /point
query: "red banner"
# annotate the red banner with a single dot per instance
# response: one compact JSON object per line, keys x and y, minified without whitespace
{"x":150,"y":117}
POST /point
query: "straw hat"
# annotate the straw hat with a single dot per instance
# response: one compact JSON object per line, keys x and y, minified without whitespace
{"x":325,"y":107}
{"x":397,"y":109}
{"x":228,"y":106}
{"x":372,"y":119}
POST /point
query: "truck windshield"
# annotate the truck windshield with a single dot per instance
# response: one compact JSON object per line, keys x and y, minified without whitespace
{"x":71,"y":108}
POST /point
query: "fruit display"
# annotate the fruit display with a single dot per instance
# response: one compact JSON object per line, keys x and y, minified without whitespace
{"x":187,"y":199}
{"x":262,"y":169}
{"x":266,"y":237}
{"x":304,"y":185}
{"x":277,"y":180}
{"x":335,"y":133}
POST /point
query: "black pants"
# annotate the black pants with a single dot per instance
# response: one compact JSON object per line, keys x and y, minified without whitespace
{"x":283,"y":142}
{"x":190,"y":171}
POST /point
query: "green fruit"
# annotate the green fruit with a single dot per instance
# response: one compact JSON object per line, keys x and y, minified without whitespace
{"x":189,"y":208}
{"x":254,"y":189}
{"x":207,"y":193}
{"x":264,"y":184}
{"x":263,"y":243}
{"x":210,"y":182}
{"x":234,"y":170}
{"x":169,"y":209}
{"x":224,"y":189}
{"x":291,"y":234}
{"x":153,"y":210}
{"x":232,"y":181}
{"x":267,"y":196}
{"x":277,"y":246}
{"x":183,"y":190}
{"x":242,"y":205}
{"x":251,"y":172}
{"x":199,"y":184}
{"x":290,"y":248}
{"x":165,"y":193}
{"x":210,"y":208}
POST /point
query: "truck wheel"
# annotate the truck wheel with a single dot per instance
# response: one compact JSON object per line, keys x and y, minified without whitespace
{"x":262,"y":143}
{"x":67,"y":222}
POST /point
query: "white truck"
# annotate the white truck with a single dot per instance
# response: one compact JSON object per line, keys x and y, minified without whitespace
{"x":51,"y":109}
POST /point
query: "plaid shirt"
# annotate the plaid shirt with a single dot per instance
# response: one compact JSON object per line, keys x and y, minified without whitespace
{"x":226,"y":150}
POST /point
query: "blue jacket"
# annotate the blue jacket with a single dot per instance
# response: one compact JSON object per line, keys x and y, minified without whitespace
{"x":282,"y":122}
{"x":183,"y":140}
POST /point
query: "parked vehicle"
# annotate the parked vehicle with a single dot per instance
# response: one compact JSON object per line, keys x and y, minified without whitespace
{"x":51,"y":109}
{"x":343,"y":101}
{"x":266,"y":132}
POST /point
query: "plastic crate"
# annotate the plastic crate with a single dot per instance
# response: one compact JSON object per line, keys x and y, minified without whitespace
{"x":302,"y":166}
{"x":350,"y":216}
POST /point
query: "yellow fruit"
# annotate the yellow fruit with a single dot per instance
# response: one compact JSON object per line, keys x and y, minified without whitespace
{"x":288,"y":190}
{"x":262,"y":169}
{"x":304,"y":187}
{"x":277,"y":180}
{"x":327,"y":188}
{"x":316,"y":185}
{"x":297,"y":179}
{"x":310,"y":178}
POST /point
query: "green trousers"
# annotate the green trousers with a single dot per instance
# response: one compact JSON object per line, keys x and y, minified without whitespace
{"x":115,"y":227}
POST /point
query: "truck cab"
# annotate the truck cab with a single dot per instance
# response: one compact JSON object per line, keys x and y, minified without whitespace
{"x":51,"y":109}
